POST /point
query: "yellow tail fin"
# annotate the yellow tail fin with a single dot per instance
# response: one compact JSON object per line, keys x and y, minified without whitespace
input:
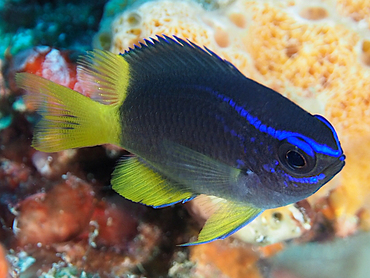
{"x":69,"y":119}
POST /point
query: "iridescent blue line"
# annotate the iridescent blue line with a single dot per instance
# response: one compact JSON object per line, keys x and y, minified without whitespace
{"x":170,"y":204}
{"x":281,"y":134}
{"x":310,"y":180}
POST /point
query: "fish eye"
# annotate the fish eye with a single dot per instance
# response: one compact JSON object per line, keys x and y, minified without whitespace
{"x":296,"y":157}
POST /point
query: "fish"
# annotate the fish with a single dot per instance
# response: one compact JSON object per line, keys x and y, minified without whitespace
{"x":194,"y":125}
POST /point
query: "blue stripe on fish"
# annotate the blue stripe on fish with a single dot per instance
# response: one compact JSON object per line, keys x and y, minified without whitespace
{"x":282,"y":134}
{"x":310,"y":180}
{"x":302,"y":145}
{"x":173,"y":203}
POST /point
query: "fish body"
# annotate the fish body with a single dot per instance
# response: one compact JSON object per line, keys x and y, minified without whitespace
{"x":196,"y":126}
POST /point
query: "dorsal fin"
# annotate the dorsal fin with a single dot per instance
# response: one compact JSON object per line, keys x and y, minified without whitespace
{"x":103,"y":76}
{"x":171,"y":54}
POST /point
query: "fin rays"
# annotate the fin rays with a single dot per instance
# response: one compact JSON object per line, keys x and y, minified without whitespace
{"x":168,"y":54}
{"x":228,"y":218}
{"x":198,"y":171}
{"x":64,"y":124}
{"x":136,"y":181}
{"x":104,"y":76}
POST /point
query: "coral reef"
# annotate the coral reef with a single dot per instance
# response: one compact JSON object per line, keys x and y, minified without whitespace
{"x":55,"y":212}
{"x":58,"y":214}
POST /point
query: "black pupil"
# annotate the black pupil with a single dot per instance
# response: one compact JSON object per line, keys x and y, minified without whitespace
{"x":295,"y":159}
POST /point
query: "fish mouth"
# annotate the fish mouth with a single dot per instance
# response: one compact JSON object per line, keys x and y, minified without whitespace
{"x":335,"y":168}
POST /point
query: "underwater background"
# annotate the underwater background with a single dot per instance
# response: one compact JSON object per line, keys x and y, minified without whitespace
{"x":59,"y":216}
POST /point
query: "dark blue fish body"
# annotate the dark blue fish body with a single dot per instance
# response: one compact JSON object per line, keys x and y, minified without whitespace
{"x":197,"y":126}
{"x":208,"y":106}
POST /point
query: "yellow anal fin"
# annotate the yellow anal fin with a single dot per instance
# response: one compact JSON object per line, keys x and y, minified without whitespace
{"x":104,"y":76}
{"x":138,"y":182}
{"x":69,"y":119}
{"x":228,"y":218}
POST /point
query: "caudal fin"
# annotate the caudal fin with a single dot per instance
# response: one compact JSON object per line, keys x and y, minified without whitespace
{"x":69,"y":119}
{"x":72,"y":120}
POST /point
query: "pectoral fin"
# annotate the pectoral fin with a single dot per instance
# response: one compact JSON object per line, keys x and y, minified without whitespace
{"x":227,"y":219}
{"x":198,"y":171}
{"x":137,"y":181}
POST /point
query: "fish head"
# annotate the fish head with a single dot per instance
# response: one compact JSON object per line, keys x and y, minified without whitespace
{"x":293,"y":166}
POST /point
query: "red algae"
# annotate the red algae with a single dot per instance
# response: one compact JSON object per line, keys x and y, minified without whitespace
{"x":47,"y":62}
{"x":55,"y":216}
{"x":108,"y":261}
{"x":115,"y":226}
{"x":12,"y":173}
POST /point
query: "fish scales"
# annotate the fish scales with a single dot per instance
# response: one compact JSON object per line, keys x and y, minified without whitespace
{"x":196,"y":125}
